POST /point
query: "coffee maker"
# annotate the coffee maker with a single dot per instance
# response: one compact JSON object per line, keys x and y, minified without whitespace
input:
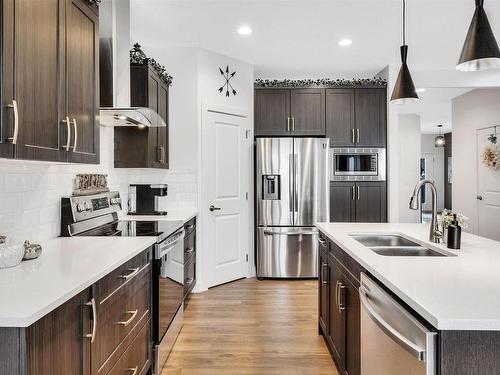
{"x":143,"y":199}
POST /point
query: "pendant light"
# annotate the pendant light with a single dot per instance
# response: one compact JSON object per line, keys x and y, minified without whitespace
{"x":404,"y":91}
{"x":439,"y":141}
{"x":480,"y":51}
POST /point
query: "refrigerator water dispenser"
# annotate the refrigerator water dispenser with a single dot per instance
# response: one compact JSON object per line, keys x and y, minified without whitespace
{"x":271,"y":187}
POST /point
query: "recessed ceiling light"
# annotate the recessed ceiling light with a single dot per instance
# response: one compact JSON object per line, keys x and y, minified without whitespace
{"x":244,"y":30}
{"x":344,"y":42}
{"x":422,"y":89}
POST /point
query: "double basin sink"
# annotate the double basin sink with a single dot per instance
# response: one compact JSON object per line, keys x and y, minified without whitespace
{"x":396,"y":245}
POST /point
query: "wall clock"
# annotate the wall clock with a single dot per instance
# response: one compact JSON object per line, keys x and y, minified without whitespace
{"x":227,"y":85}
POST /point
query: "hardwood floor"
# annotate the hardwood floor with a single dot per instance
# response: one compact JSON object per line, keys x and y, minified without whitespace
{"x":252,"y":327}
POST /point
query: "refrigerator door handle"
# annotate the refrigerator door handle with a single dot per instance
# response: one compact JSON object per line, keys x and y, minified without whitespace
{"x":301,"y":233}
{"x":291,"y":184}
{"x":295,"y":185}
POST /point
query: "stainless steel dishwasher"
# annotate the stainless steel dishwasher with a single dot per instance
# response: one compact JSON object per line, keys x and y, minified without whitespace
{"x":392,"y":340}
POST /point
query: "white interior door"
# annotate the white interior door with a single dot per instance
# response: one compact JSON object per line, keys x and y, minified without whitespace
{"x":225,"y":206}
{"x":488,"y":191}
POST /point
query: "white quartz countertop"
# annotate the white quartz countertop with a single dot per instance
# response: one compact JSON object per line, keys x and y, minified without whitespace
{"x":172,"y":215}
{"x":452,"y":293}
{"x":66,"y":267}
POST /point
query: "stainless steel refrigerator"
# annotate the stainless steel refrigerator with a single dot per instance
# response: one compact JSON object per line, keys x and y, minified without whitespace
{"x":292,"y":194}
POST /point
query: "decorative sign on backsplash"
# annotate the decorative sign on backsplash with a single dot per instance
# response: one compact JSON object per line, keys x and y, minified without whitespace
{"x":227,"y":85}
{"x":86,"y":184}
{"x":361,"y":82}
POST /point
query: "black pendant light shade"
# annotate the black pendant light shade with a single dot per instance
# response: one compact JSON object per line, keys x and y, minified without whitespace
{"x":404,"y":91}
{"x":480,"y":51}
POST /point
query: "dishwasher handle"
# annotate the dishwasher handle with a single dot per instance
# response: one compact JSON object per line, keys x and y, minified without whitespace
{"x":403,"y":341}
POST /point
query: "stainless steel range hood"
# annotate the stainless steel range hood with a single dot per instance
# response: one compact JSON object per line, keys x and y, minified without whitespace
{"x":140,"y":117}
{"x":114,"y":70}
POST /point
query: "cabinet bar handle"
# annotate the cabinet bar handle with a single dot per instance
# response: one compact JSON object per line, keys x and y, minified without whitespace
{"x":288,"y":124}
{"x":16,"y":121}
{"x":127,"y":322}
{"x":91,"y":336}
{"x":358,"y":192}
{"x":353,"y":136}
{"x":189,"y":227}
{"x":134,"y":271}
{"x":353,"y":193}
{"x":337,"y":294}
{"x":322,"y":273}
{"x":341,"y":304}
{"x":75,"y":128}
{"x":357,"y":135}
{"x":293,"y":124}
{"x":68,"y":131}
{"x":134,"y":369}
{"x":322,"y":242}
{"x":190,"y":250}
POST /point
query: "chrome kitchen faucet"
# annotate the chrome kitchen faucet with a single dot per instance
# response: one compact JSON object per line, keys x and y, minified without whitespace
{"x":435,"y":234}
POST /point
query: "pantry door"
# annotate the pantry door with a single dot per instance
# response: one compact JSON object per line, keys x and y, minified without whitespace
{"x":488,"y":189}
{"x":225,"y":206}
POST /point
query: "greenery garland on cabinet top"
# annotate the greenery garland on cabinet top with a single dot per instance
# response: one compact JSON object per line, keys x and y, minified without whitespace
{"x":297,"y":83}
{"x":137,"y":56}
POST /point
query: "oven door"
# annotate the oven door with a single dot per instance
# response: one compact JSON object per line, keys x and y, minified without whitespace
{"x":169,"y":295}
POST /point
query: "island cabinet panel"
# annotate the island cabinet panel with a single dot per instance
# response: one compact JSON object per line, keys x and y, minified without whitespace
{"x":370,"y":117}
{"x":343,"y":306}
{"x":340,"y":126}
{"x":189,"y":259}
{"x":307,"y":110}
{"x":324,"y":291}
{"x":272,"y":112}
{"x":362,"y":202}
{"x":49,"y":81}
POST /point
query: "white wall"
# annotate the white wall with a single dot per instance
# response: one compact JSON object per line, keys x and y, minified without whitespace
{"x":409,"y":165}
{"x":475,"y":110}
{"x":428,"y":147}
{"x":30,"y":192}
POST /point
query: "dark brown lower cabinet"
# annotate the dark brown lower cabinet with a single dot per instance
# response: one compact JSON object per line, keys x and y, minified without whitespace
{"x":362,"y":202}
{"x":323,"y":290}
{"x":54,"y":345}
{"x":106,"y":329}
{"x":189,"y":259}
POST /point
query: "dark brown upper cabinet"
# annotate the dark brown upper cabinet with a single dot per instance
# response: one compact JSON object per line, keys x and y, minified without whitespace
{"x":356,"y":117}
{"x":340,"y":126}
{"x":82,"y":59}
{"x":285,"y":112}
{"x":371,"y":119}
{"x":307,"y":110}
{"x":272,"y":112}
{"x":149,"y":147}
{"x":49,"y":83}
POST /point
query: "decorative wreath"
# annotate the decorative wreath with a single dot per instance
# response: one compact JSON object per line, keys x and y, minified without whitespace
{"x":491,"y":156}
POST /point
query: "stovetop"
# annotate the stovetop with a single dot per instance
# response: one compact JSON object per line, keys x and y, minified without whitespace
{"x":125,"y":228}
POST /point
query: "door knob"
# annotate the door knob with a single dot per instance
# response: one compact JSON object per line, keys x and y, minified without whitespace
{"x":213,"y":208}
{"x":479,"y":197}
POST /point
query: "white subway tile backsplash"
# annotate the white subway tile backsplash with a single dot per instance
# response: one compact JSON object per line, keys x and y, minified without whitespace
{"x":30,"y":192}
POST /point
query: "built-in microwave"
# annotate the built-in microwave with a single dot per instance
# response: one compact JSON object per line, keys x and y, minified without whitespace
{"x":357,"y":164}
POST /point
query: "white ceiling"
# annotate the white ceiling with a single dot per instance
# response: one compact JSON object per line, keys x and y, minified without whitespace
{"x":298,"y":38}
{"x":434,"y":107}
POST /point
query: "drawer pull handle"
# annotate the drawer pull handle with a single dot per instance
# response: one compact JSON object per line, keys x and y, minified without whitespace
{"x":91,"y":336}
{"x":127,"y":322}
{"x":134,"y":369}
{"x":133,"y":272}
{"x":190,"y":250}
{"x":189,"y":227}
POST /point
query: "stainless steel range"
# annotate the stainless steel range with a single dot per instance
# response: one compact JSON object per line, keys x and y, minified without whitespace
{"x":97,"y":215}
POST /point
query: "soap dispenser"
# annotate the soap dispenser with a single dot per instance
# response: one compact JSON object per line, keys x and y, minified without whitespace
{"x":454,"y":234}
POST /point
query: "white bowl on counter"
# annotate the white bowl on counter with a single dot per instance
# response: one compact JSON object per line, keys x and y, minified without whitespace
{"x":11,"y":255}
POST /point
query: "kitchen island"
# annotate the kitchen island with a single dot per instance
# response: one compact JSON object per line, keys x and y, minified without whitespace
{"x":456,"y":295}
